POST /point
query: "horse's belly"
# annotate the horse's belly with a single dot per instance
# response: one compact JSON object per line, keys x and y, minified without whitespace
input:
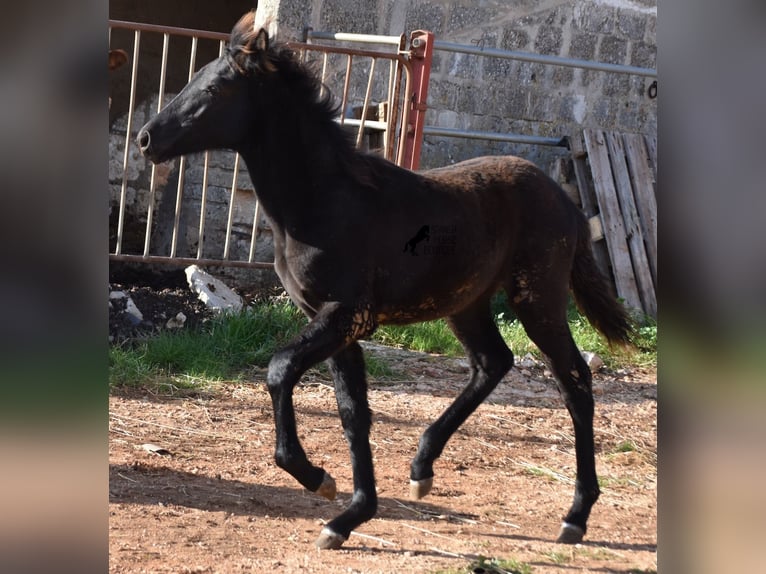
{"x":431,"y":296}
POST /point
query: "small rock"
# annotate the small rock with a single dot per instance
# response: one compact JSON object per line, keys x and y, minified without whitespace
{"x":176,"y":322}
{"x":527,"y":362}
{"x":212,"y":291}
{"x":594,"y":361}
{"x":117,"y":294}
{"x":153,"y":448}
{"x":133,"y":312}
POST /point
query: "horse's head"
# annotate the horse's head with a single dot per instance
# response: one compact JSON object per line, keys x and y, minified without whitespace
{"x":217,"y":107}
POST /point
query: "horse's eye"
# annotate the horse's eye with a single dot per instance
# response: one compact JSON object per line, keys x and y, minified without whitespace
{"x":212,"y":90}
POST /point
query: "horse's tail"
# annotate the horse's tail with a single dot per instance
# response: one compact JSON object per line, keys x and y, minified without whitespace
{"x":593,"y":293}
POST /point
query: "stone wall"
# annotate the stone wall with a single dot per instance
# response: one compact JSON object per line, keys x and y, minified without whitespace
{"x":490,"y":94}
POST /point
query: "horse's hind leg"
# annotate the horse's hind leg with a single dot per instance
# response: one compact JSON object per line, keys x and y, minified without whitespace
{"x":347,"y":368}
{"x":541,"y":308}
{"x":490,"y":360}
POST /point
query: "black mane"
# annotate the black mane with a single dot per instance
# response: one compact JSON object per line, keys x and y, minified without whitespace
{"x":256,"y":58}
{"x":312,"y":101}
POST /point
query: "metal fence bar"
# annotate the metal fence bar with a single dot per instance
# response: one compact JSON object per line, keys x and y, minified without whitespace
{"x":206,"y":34}
{"x":494,"y":136}
{"x":124,"y":188}
{"x":205,"y":174}
{"x":394,"y":91}
{"x":192,"y":261}
{"x":230,"y":219}
{"x":366,"y":105}
{"x":153,"y":180}
{"x":322,"y":90}
{"x":346,"y":85}
{"x":310,"y":34}
{"x":254,"y":236}
{"x":544,"y":59}
{"x":182,"y":162}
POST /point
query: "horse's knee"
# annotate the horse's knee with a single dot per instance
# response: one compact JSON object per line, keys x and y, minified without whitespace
{"x":281,"y":368}
{"x":496,"y":365}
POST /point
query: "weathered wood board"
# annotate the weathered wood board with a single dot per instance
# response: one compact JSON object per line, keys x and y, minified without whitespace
{"x":612,"y":219}
{"x":622,"y":170}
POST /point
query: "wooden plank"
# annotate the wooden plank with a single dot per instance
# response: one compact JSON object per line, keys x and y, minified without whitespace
{"x":634,"y":234}
{"x":651,"y":147}
{"x":644,"y":192}
{"x":596,"y":230}
{"x":588,"y":199}
{"x":611,"y":217}
{"x":587,"y":196}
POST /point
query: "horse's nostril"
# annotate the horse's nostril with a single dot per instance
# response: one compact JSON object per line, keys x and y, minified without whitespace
{"x":144,"y":140}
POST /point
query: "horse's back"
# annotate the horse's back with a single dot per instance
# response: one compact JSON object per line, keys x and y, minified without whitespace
{"x":506,"y":185}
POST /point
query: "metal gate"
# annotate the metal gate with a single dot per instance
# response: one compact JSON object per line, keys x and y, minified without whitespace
{"x":161,"y":220}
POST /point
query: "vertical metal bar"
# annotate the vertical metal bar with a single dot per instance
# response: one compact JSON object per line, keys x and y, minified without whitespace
{"x":230,"y":220}
{"x":346,"y":84}
{"x":152,"y":181}
{"x":366,"y":105}
{"x":324,"y":75}
{"x":254,"y":236}
{"x":128,"y":139}
{"x":396,"y":106}
{"x":182,"y":163}
{"x":389,"y":108}
{"x":203,"y":199}
{"x":203,"y":207}
{"x":405,"y":123}
{"x":422,"y":54}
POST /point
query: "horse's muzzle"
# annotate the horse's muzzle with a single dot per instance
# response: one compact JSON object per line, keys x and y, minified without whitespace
{"x":144,"y":141}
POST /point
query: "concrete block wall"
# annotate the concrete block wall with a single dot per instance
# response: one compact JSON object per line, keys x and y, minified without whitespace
{"x":490,"y":94}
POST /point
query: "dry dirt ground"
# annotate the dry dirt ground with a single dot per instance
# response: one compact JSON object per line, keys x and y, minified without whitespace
{"x":213,"y":500}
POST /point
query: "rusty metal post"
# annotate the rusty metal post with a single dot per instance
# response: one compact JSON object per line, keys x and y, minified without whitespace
{"x":421,"y":58}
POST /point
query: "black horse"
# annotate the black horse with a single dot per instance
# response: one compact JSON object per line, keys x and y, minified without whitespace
{"x":340,"y":218}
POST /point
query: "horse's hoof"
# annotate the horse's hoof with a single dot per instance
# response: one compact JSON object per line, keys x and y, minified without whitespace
{"x":419,"y":488}
{"x":329,"y":540}
{"x":570,"y":534}
{"x":327,"y":488}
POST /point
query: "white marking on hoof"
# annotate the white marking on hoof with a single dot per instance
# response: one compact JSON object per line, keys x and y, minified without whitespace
{"x":329,"y":539}
{"x":327,"y":489}
{"x":570,"y":534}
{"x":420,"y":488}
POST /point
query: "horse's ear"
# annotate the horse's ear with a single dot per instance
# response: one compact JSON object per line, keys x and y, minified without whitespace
{"x":260,"y":45}
{"x":261,"y":40}
{"x":117,"y":58}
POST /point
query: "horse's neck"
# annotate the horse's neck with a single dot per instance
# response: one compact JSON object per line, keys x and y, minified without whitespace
{"x":289,"y":181}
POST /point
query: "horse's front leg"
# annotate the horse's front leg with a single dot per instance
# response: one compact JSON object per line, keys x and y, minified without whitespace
{"x":320,"y":339}
{"x":329,"y":332}
{"x":347,"y":368}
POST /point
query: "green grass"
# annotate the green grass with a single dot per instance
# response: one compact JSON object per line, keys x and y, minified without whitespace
{"x":229,"y":346}
{"x":223,"y":348}
{"x":436,"y":337}
{"x":431,"y":337}
{"x":625,"y":446}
